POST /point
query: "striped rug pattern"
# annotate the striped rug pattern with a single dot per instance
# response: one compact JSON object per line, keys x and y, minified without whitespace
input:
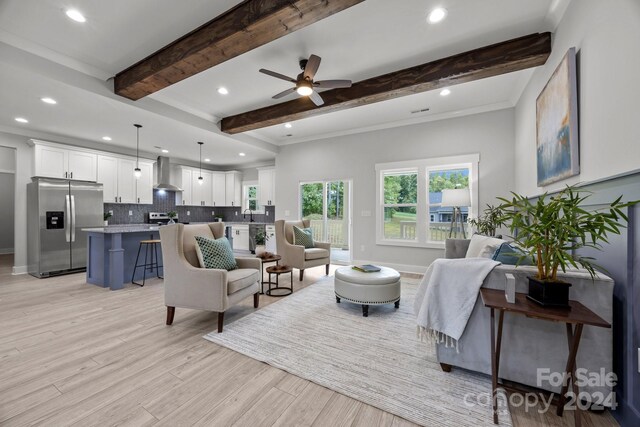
{"x":378,"y":360}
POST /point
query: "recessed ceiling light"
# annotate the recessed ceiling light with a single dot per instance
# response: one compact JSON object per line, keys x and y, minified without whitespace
{"x":106,"y":138}
{"x":21,"y":120}
{"x":48,"y":100}
{"x":207,"y":160}
{"x":445,"y":92}
{"x":241,"y":154}
{"x":288,"y":125}
{"x":164,"y":150}
{"x":76,"y":15}
{"x":223,"y":91}
{"x":437,"y":15}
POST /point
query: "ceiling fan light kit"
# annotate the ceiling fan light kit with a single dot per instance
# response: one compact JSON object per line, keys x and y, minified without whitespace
{"x":304,"y":84}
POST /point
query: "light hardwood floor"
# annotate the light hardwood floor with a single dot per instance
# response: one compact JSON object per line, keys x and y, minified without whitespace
{"x":75,"y":354}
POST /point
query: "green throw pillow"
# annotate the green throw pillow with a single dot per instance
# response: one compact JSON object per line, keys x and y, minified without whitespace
{"x":303,"y":237}
{"x":215,"y":253}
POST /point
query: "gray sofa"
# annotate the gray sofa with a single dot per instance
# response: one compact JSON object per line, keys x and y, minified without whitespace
{"x":528,"y":344}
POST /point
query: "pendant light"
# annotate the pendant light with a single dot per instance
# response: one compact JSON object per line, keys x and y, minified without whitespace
{"x":200,"y":179}
{"x":137,"y":172}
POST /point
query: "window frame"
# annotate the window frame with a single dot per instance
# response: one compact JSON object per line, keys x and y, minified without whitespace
{"x":245,"y":196}
{"x":423,"y":219}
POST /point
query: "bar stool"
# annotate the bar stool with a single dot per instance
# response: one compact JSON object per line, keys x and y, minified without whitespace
{"x":150,"y":246}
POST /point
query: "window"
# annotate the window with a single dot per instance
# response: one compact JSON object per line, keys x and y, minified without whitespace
{"x":250,"y":197}
{"x":409,"y":197}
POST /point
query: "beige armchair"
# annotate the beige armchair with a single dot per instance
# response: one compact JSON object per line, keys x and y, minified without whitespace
{"x":187,"y":285}
{"x":297,"y":256}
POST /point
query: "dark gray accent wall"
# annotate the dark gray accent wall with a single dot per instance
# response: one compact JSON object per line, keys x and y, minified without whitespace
{"x":621,"y":259}
{"x":165,"y":201}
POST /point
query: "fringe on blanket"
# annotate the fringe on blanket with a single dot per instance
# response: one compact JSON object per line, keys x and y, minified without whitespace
{"x":432,"y":336}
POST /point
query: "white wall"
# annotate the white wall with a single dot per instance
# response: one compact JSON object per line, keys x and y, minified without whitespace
{"x":607,"y":39}
{"x":7,"y":191}
{"x":22,"y":178}
{"x":354,"y":157}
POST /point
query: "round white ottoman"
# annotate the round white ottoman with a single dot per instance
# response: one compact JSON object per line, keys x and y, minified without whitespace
{"x":381,"y":287}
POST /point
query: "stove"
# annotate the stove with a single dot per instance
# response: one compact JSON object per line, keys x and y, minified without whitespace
{"x":160,"y":218}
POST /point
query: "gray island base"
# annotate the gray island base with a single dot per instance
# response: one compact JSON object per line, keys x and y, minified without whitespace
{"x":111,"y":254}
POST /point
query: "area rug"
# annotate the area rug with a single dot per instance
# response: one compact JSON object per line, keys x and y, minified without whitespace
{"x":377,"y":360}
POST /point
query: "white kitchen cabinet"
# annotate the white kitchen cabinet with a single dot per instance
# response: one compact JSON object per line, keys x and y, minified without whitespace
{"x":240,"y":234}
{"x":144,"y":184}
{"x":58,"y":162}
{"x":267,"y":186}
{"x":218,"y":188}
{"x":108,"y":177}
{"x":117,"y":179}
{"x":126,"y":181}
{"x":202,"y":192}
{"x":186,"y":197}
{"x":233,"y":188}
{"x":270,"y":232}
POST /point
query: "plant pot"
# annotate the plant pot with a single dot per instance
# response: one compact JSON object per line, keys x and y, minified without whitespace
{"x":106,"y":223}
{"x":549,"y":294}
{"x":260,"y":249}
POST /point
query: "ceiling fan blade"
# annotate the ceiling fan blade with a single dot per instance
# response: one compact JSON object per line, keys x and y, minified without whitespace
{"x":276,"y":75}
{"x":332,"y":84}
{"x":312,"y":67}
{"x":316,"y":98}
{"x":284,"y":93}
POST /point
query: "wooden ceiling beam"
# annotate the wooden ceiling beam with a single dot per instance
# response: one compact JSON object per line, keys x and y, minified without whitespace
{"x":501,"y":58}
{"x":246,"y":26}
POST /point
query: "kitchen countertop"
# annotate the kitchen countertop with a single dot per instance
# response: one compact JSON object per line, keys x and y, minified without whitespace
{"x":124,"y":228}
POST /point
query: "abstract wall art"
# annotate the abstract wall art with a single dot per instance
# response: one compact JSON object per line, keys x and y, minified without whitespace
{"x":557,"y":124}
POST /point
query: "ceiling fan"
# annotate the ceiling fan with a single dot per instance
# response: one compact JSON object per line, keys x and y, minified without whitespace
{"x":304,"y":84}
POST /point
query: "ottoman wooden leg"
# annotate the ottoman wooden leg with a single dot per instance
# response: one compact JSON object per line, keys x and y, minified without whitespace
{"x":365,"y":310}
{"x":397,"y":304}
{"x":338,"y":300}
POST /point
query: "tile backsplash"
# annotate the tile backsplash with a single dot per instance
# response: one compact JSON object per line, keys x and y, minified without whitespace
{"x":165,"y":201}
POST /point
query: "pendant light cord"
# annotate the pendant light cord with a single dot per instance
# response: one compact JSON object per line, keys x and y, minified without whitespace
{"x":138,"y":145}
{"x":200,"y":144}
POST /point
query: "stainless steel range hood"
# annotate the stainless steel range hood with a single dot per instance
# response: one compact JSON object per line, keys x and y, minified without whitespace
{"x":164,"y":175}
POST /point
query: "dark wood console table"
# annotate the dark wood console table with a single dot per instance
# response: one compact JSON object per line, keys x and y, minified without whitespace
{"x":574,"y":319}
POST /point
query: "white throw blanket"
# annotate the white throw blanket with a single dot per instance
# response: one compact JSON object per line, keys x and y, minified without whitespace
{"x":446,"y":297}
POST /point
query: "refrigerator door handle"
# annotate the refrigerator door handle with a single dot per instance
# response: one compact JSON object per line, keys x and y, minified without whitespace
{"x":73,"y":218}
{"x":67,"y":219}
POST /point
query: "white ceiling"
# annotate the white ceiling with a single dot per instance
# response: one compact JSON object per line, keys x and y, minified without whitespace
{"x":43,"y":53}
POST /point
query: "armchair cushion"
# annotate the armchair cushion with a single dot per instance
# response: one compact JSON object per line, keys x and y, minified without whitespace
{"x":303,"y":237}
{"x":241,"y":278}
{"x":215,"y":253}
{"x":315,"y":253}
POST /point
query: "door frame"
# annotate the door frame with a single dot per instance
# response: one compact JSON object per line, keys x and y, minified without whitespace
{"x":349,"y":199}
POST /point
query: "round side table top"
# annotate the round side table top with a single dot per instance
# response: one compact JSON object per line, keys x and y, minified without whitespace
{"x":270,"y":259}
{"x":279,"y":269}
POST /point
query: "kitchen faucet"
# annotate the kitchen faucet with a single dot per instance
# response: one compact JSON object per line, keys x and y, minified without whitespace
{"x":244,"y":215}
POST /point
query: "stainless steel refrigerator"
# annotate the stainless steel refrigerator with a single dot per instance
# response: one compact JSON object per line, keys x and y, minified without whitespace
{"x":57,"y":210}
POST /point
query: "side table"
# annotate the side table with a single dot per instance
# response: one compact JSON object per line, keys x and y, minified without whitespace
{"x":275,"y":258}
{"x":278,"y":270}
{"x":574,"y":318}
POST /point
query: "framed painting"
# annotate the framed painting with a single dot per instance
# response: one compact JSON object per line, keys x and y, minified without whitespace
{"x":557,"y":142}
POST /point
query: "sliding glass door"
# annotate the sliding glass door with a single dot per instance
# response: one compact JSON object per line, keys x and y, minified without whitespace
{"x":327,"y":204}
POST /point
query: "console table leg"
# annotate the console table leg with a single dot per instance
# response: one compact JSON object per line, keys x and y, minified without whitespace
{"x":494,"y":371}
{"x":573,"y":338}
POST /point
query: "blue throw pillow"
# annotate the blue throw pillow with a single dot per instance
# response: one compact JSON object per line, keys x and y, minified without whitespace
{"x":509,"y":254}
{"x":303,"y":237}
{"x":215,"y":253}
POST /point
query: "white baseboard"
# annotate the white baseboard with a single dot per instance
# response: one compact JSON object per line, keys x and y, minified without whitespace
{"x":19,"y":269}
{"x":402,"y":268}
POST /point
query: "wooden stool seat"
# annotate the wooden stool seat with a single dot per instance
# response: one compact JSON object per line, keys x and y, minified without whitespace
{"x":151,"y":248}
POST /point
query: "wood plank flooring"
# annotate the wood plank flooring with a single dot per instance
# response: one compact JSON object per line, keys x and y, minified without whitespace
{"x":75,"y":354}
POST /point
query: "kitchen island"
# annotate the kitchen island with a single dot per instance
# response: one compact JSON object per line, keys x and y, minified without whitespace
{"x":111,"y":254}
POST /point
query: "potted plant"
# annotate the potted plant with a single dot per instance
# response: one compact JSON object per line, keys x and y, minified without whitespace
{"x":487,"y":223}
{"x":171,"y":216}
{"x":106,"y":216}
{"x":549,"y":229}
{"x":260,"y":240}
